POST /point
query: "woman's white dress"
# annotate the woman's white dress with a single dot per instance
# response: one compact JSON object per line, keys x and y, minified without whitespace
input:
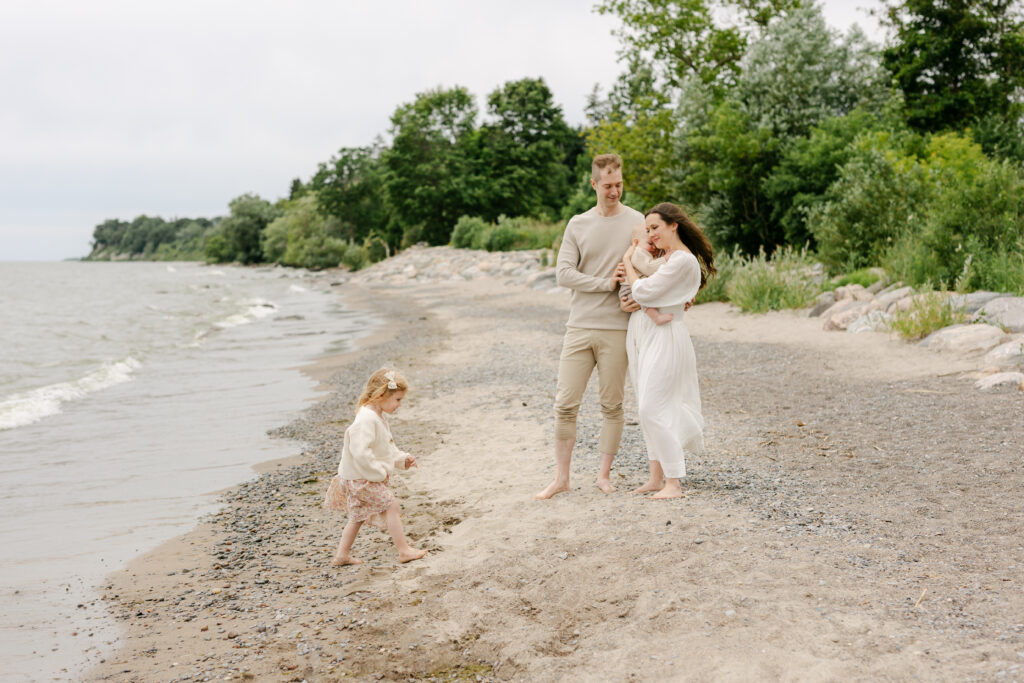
{"x":663,"y":367}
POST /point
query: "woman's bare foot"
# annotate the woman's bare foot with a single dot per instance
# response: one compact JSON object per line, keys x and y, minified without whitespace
{"x":669,"y":491}
{"x":348,"y":559}
{"x":553,"y":489}
{"x":648,"y":487}
{"x":605,"y":485}
{"x":410,"y":555}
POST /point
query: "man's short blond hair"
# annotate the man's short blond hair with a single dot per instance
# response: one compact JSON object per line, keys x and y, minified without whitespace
{"x":604,"y":161}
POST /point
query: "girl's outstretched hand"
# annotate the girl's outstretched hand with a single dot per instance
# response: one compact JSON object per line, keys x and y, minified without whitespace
{"x":410,"y":461}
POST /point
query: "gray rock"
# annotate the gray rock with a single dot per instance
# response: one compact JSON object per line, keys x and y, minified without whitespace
{"x":879,"y":284}
{"x":542,"y":279}
{"x":856,"y":292}
{"x":972,"y":303}
{"x":825,"y":301}
{"x":844,"y":317}
{"x":1007,"y":355}
{"x":1007,"y":312}
{"x":1001,"y":379}
{"x":889,"y":288}
{"x":886,"y":298}
{"x":964,"y":338}
{"x":875,"y":321}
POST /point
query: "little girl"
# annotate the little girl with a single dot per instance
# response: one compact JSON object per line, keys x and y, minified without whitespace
{"x":368,"y":457}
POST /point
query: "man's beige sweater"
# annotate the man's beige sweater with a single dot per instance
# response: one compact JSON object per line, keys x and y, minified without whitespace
{"x":591,"y":248}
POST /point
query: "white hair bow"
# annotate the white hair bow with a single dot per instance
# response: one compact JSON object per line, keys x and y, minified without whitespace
{"x":390,"y":377}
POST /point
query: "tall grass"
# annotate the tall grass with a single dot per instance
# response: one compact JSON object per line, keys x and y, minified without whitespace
{"x":788,"y":280}
{"x":928,"y":312}
{"x":506,"y":234}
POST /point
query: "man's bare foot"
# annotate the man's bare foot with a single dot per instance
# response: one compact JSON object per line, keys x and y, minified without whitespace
{"x":410,"y":555}
{"x":605,"y":485}
{"x":553,"y":489}
{"x":648,"y":487}
{"x":668,"y":492}
{"x":342,"y":561}
{"x":663,"y":318}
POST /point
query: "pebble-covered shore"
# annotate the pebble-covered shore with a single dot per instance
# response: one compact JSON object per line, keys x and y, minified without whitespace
{"x":826,"y":525}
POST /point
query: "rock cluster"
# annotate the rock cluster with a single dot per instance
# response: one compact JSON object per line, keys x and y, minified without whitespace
{"x":995,"y":332}
{"x":432,"y":265}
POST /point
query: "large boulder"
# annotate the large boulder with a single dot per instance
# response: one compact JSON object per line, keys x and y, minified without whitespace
{"x":825,"y":301}
{"x":1007,"y":355}
{"x":1007,"y":312}
{"x":874,"y":321}
{"x":846,"y":314}
{"x":964,"y":339}
{"x":1001,"y":379}
{"x":972,"y":302}
{"x":893,"y":295}
{"x":855,"y":292}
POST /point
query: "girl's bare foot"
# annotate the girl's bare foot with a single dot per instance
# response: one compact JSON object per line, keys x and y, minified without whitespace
{"x":410,"y":555}
{"x":648,"y":487}
{"x":553,"y":489}
{"x":342,"y":561}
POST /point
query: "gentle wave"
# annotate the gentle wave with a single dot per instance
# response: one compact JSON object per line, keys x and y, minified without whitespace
{"x":23,"y":409}
{"x":258,"y":309}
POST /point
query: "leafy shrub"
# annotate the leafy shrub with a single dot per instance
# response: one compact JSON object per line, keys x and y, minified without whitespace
{"x":469,"y":230}
{"x":928,"y":312}
{"x":878,"y":197}
{"x":972,"y":232}
{"x":376,"y":248}
{"x":500,"y":238}
{"x":865,"y":277}
{"x":788,"y":280}
{"x":354,"y":257}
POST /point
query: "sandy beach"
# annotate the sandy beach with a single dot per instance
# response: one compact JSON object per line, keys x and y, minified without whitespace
{"x":857,"y":517}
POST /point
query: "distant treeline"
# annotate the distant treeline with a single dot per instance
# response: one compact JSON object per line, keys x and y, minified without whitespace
{"x":772,"y":128}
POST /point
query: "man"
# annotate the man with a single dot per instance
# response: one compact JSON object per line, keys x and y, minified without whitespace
{"x":592,"y":247}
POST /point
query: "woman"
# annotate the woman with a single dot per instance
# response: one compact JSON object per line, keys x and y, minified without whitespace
{"x":662,"y":365}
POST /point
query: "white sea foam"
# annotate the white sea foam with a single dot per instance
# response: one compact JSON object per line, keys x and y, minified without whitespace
{"x":31,"y":406}
{"x":257,"y":309}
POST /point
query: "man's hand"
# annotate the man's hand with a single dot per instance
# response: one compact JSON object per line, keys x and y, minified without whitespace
{"x":627,"y":304}
{"x":689,"y":304}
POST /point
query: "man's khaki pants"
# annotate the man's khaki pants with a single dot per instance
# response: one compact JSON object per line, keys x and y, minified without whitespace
{"x":582,"y":349}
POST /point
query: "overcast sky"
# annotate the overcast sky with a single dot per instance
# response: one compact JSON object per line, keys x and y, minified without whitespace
{"x":115,"y":108}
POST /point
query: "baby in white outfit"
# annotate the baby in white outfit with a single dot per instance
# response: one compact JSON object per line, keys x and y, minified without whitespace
{"x":646,"y":259}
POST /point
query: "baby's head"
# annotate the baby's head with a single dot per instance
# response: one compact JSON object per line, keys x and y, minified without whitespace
{"x":640,"y":233}
{"x":382,"y":385}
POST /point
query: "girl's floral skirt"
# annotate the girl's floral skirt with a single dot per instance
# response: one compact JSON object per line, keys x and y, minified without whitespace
{"x":364,"y":500}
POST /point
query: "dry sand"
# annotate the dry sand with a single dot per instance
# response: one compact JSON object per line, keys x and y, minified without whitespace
{"x":857,"y":517}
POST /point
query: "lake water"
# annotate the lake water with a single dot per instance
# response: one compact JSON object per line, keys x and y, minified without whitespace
{"x":129,"y":394}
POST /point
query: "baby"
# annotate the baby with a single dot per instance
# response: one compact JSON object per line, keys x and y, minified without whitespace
{"x":646,"y":259}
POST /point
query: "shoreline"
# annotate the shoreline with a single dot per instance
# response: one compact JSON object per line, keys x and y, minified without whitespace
{"x":797,"y":552}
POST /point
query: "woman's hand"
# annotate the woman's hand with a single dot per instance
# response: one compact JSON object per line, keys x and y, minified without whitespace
{"x":410,"y":461}
{"x":620,"y":274}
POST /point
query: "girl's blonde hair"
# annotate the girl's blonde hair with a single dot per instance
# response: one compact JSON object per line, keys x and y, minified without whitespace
{"x":382,"y":384}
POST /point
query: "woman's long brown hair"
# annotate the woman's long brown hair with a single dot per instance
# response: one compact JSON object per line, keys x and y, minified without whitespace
{"x":692,"y":236}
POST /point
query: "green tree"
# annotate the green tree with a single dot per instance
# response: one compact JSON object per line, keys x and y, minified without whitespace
{"x":241,"y":232}
{"x":351,"y":188}
{"x":522,"y":158}
{"x":956,"y":61}
{"x":679,"y":39}
{"x":427,"y":177}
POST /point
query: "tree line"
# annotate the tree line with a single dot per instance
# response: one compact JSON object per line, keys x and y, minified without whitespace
{"x":772,"y":128}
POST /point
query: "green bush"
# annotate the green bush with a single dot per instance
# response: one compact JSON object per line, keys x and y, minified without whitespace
{"x":354,"y":257}
{"x":788,"y":280}
{"x":878,"y":197}
{"x":865,"y":277}
{"x":972,"y":232}
{"x":469,"y":230}
{"x":376,"y":248}
{"x":928,"y":312}
{"x":501,"y":238}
